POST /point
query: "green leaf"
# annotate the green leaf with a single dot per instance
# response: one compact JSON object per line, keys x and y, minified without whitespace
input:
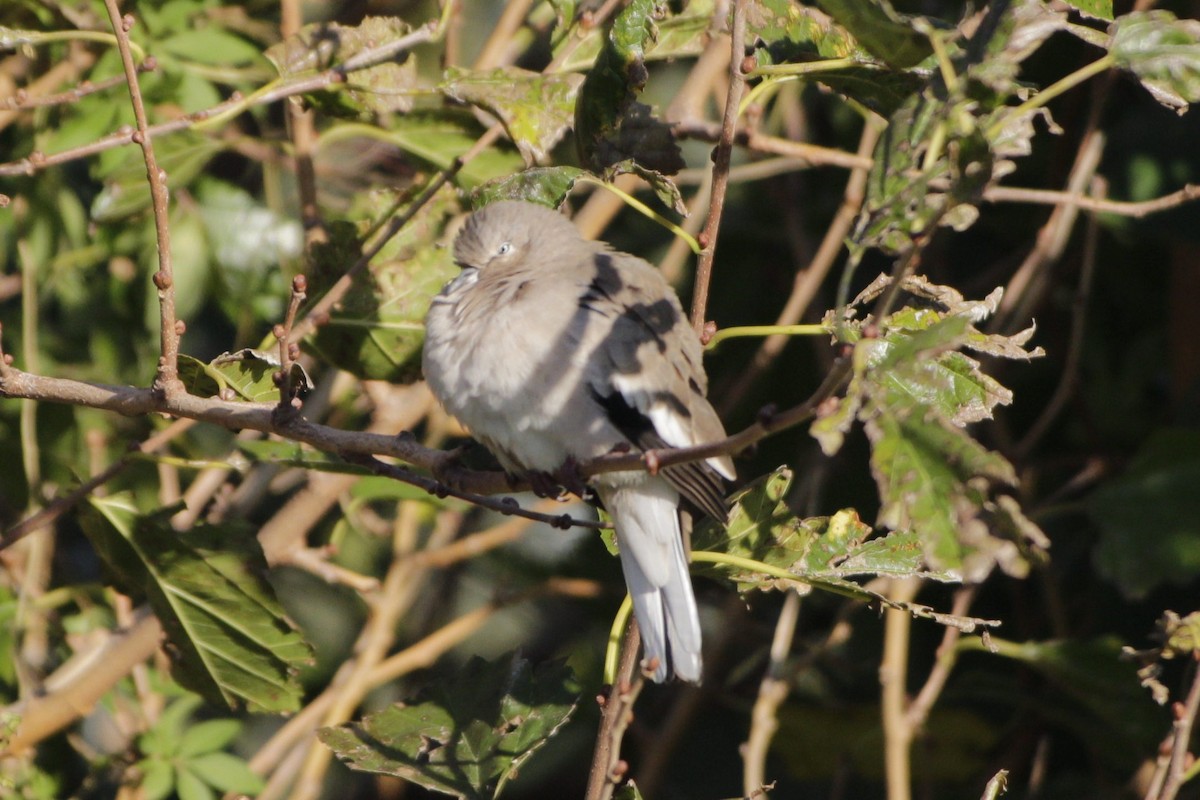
{"x":211,"y":45}
{"x":547,"y":186}
{"x":379,"y":327}
{"x":383,"y":88}
{"x":164,"y":737}
{"x":627,"y":791}
{"x":1149,"y":517}
{"x":784,"y":32}
{"x":227,"y":773}
{"x":1100,"y":9}
{"x":822,"y":552}
{"x":208,"y":736}
{"x":928,"y":472}
{"x":244,"y":375}
{"x":230,"y":640}
{"x":439,"y":138}
{"x":883,"y":32}
{"x":182,"y":156}
{"x":294,"y":454}
{"x":675,"y":35}
{"x":468,"y":737}
{"x":158,"y":778}
{"x":191,"y":786}
{"x":915,"y":393}
{"x":537,"y":110}
{"x":610,"y":125}
{"x":902,"y":203}
{"x":1163,"y":52}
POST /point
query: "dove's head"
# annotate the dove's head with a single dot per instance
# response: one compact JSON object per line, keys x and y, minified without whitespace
{"x":509,"y":232}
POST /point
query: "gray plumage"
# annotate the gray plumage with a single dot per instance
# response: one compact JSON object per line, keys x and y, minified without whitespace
{"x":549,"y":347}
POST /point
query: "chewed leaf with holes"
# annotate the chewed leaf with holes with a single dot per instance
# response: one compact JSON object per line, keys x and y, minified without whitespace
{"x":466,"y":737}
{"x":821,"y":552}
{"x":385,"y":87}
{"x":915,"y":392}
{"x":536,"y":109}
{"x":227,"y":634}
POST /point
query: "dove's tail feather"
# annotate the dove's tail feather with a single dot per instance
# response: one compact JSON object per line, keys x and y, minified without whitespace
{"x":646,"y":518}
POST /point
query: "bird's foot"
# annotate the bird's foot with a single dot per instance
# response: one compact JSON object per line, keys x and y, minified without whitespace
{"x":545,"y":484}
{"x":450,"y":471}
{"x":570,"y":477}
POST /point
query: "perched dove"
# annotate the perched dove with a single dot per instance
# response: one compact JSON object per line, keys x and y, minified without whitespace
{"x":550,"y":348}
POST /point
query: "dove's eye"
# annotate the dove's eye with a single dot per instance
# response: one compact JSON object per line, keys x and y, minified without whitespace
{"x":504,"y":249}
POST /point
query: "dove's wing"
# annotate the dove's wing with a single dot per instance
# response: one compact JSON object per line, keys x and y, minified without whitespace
{"x":645,"y":371}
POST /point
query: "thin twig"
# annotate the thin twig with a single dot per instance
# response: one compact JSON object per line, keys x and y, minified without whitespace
{"x":918,"y":710}
{"x":300,"y":84}
{"x":166,"y":379}
{"x":492,"y":54}
{"x":1069,"y":375}
{"x":289,"y":350}
{"x":504,"y":505}
{"x":304,"y":137}
{"x":321,"y":310}
{"x":772,"y":691}
{"x":1124,"y":208}
{"x":47,"y":515}
{"x":1185,"y":720}
{"x":1025,"y":286}
{"x":720,"y":168}
{"x":617,"y":711}
{"x":22,"y":99}
{"x":808,"y":280}
{"x":893,"y":674}
{"x":134,"y":401}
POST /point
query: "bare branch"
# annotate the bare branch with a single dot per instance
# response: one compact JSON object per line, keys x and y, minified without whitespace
{"x":720,"y":168}
{"x":166,"y":380}
{"x":616,"y":713}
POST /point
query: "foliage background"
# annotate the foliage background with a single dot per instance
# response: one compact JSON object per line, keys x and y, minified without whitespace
{"x":1101,"y":432}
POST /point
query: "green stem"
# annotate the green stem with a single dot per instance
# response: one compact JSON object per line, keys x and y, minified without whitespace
{"x":807,"y":67}
{"x":765,"y":330}
{"x":1052,"y":91}
{"x":613,"y":653}
{"x":38,"y":38}
{"x":646,"y":210}
{"x":747,"y":564}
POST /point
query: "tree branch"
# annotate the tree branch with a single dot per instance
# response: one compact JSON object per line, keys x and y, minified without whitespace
{"x":166,"y":380}
{"x":720,"y":168}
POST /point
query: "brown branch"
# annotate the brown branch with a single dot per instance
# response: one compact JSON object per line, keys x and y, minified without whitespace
{"x":1181,"y":734}
{"x":79,"y":684}
{"x":61,"y":505}
{"x":808,"y":280}
{"x":720,"y":168}
{"x":918,"y":710}
{"x":504,"y":505}
{"x":316,"y":315}
{"x":1124,"y":208}
{"x":166,"y":379}
{"x":22,"y":99}
{"x":304,"y":137}
{"x":812,"y":154}
{"x":288,"y":349}
{"x":133,"y":401}
{"x":1069,"y":376}
{"x":772,"y":691}
{"x":616,"y":713}
{"x":893,"y":673}
{"x":302,"y":84}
